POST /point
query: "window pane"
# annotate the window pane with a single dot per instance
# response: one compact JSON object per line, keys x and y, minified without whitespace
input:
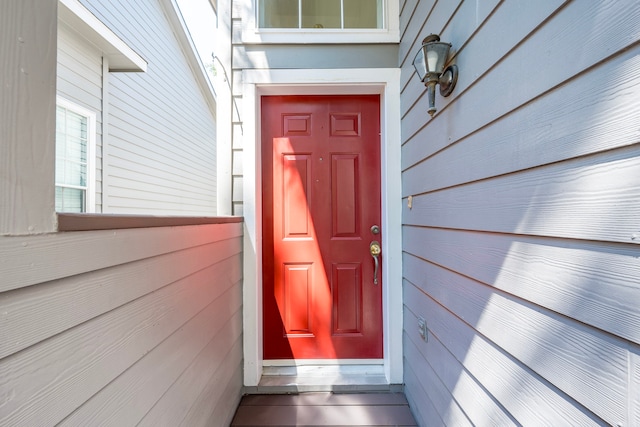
{"x":69,"y":200}
{"x":363,"y":14}
{"x":74,"y":174}
{"x":76,"y":125}
{"x":278,"y":14}
{"x":321,"y":14}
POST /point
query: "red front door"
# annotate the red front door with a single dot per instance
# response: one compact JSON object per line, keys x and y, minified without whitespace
{"x":321,"y":198}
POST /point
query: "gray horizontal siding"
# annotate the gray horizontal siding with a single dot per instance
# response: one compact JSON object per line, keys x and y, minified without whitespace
{"x":161,"y":153}
{"x":315,"y":56}
{"x":115,"y":340}
{"x":476,"y":370}
{"x":521,"y":245}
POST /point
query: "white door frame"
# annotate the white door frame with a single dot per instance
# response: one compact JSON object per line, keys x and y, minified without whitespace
{"x":386,"y":83}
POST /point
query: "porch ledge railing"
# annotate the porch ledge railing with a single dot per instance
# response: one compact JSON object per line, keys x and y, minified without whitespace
{"x":87,"y":222}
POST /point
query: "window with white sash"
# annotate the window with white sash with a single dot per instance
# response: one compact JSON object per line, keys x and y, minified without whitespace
{"x":320,"y":21}
{"x":319,"y":14}
{"x":75,"y":158}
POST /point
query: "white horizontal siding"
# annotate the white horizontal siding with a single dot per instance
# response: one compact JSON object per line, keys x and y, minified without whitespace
{"x":160,"y":124}
{"x":521,"y":245}
{"x":104,"y":344}
{"x":79,"y":70}
{"x":79,"y":80}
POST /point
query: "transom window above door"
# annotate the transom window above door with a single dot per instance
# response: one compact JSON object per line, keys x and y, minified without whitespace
{"x":320,"y":21}
{"x":321,"y":14}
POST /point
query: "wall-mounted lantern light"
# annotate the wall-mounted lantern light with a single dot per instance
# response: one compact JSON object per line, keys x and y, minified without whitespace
{"x":429,"y":64}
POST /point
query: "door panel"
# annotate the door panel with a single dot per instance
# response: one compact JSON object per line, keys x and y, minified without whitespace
{"x":345,"y":200}
{"x":347,"y":298}
{"x":296,"y":176}
{"x":296,"y":293}
{"x":321,"y":195}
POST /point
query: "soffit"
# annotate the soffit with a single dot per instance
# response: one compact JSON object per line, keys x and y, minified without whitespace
{"x":120,"y":55}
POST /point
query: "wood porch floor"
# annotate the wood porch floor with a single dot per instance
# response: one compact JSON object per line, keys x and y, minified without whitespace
{"x":324,"y":409}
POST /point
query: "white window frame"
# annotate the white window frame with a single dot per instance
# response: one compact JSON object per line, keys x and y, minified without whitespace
{"x":252,"y":34}
{"x":90,"y":196}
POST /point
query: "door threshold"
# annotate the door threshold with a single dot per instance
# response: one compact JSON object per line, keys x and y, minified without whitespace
{"x":323,"y":378}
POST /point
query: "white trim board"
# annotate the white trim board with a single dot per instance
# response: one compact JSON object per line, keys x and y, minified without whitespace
{"x":121,"y":56}
{"x":385,"y":82}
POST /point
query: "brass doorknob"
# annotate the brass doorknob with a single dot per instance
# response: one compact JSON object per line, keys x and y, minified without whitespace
{"x":375,"y":248}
